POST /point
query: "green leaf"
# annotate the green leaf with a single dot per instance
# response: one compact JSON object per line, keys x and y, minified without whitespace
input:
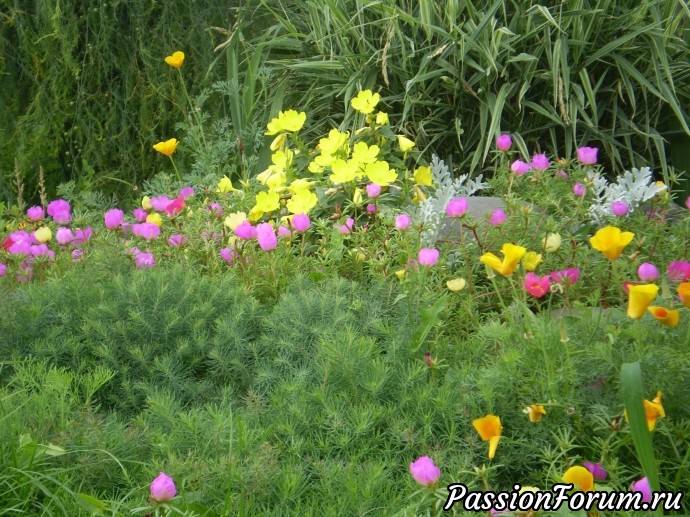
{"x":430,"y":318}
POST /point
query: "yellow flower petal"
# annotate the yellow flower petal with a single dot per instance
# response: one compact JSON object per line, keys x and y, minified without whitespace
{"x":639,"y":298}
{"x":176,"y":59}
{"x":456,"y":284}
{"x":667,"y":317}
{"x":405,"y":143}
{"x":580,"y":477}
{"x":167,"y":148}
{"x":489,"y":429}
{"x":610,"y":240}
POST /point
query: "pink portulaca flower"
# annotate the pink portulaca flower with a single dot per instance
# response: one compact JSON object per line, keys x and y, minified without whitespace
{"x":371,"y":208}
{"x":64,"y":236}
{"x":346,"y":228}
{"x":245,"y":231}
{"x":503,"y":143}
{"x":566,"y":276}
{"x":457,"y":207}
{"x":587,"y":155}
{"x":283,"y":232}
{"x":497,"y":217}
{"x":147,"y":231}
{"x":540,"y":162}
{"x":424,"y":471}
{"x":35,"y":213}
{"x":114,"y":218}
{"x":228,"y":255}
{"x":519,"y":167}
{"x":266,"y":236}
{"x":643,"y":487}
{"x":77,"y":254}
{"x":537,"y":285}
{"x":178,"y":240}
{"x":163,"y":488}
{"x":679,"y":271}
{"x":598,"y":471}
{"x":620,"y":208}
{"x":82,"y":236}
{"x":144,"y":260}
{"x":428,"y":257}
{"x":301,"y":222}
{"x":57,"y":206}
{"x":687,"y":203}
{"x":579,"y":189}
{"x":647,"y":272}
{"x":42,"y":250}
{"x":373,"y":190}
{"x":175,"y":207}
{"x":25,"y":272}
{"x":186,"y":192}
{"x":140,"y":215}
{"x":402,"y":222}
{"x":216,"y":209}
{"x":160,"y":203}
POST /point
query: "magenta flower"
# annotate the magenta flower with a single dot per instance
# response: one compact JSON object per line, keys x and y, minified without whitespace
{"x":402,"y":222}
{"x":178,"y":240}
{"x":175,"y":207}
{"x":283,"y":231}
{"x":140,"y":215}
{"x":497,"y":217}
{"x":537,"y":285}
{"x":186,"y":192}
{"x":647,"y":272}
{"x":427,"y":256}
{"x":160,"y":203}
{"x":346,"y":228}
{"x":587,"y":155}
{"x":62,"y":217}
{"x":228,"y":255}
{"x":642,"y":485}
{"x":519,"y":167}
{"x":598,"y":471}
{"x":679,"y":271}
{"x":579,"y":189}
{"x":371,"y":208}
{"x":163,"y":488}
{"x":266,"y":236}
{"x":687,"y":202}
{"x":245,"y":231}
{"x":566,"y":276}
{"x":424,"y":471}
{"x":457,"y":207}
{"x":57,"y":206}
{"x":81,"y":236}
{"x":148,"y":231}
{"x":42,"y":250}
{"x":619,"y":208}
{"x":216,"y":209}
{"x":114,"y":218}
{"x":144,"y":260}
{"x":3,"y":269}
{"x":540,"y":162}
{"x":35,"y":213}
{"x":64,"y":236}
{"x":373,"y":190}
{"x":503,"y":142}
{"x":301,"y":222}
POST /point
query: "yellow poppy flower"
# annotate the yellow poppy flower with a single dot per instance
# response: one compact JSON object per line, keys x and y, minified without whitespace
{"x":531,"y":260}
{"x":233,"y":220}
{"x":667,"y":317}
{"x":653,"y":410}
{"x":535,"y":412}
{"x":489,"y":429}
{"x":400,"y":273}
{"x":405,"y":143}
{"x":511,"y":258}
{"x":639,"y":298}
{"x":579,"y":476}
{"x":364,"y":153}
{"x":610,"y":240}
{"x":381,"y":118}
{"x":168,"y":147}
{"x":422,"y":176}
{"x":146,"y":203}
{"x":334,"y":142}
{"x":365,"y":102}
{"x":176,"y":59}
{"x":684,"y":293}
{"x":343,"y":171}
{"x":299,"y":185}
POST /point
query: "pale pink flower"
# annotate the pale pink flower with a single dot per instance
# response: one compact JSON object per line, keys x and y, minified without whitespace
{"x":457,"y":207}
{"x":402,"y":222}
{"x":266,"y":236}
{"x":177,"y":240}
{"x":373,"y":190}
{"x":587,"y":155}
{"x":647,"y":272}
{"x":619,"y":208}
{"x":428,"y":256}
{"x":579,"y":189}
{"x":301,"y":222}
{"x":163,"y":488}
{"x":35,"y":213}
{"x":519,"y":167}
{"x":114,"y":218}
{"x":245,"y":231}
{"x":424,"y":471}
{"x":540,"y":162}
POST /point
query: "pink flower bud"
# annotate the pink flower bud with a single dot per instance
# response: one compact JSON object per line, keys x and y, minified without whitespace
{"x":424,"y":471}
{"x":619,"y":208}
{"x":540,"y":162}
{"x":519,"y":167}
{"x":402,"y":222}
{"x":428,"y":256}
{"x":457,"y":207}
{"x":647,"y":272}
{"x":579,"y":189}
{"x":266,"y":236}
{"x":587,"y":155}
{"x":503,"y":142}
{"x":497,"y":217}
{"x":35,"y":213}
{"x":301,"y":222}
{"x":373,"y":190}
{"x":114,"y":218}
{"x":163,"y":488}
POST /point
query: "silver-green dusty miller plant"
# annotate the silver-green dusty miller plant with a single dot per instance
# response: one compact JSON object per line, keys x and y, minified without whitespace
{"x":432,"y":210}
{"x":633,"y":188}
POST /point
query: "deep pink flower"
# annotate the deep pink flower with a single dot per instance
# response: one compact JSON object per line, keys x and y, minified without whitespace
{"x":228,"y":255}
{"x":424,"y":471}
{"x":457,"y":207}
{"x":540,"y":162}
{"x":587,"y":155}
{"x":175,"y":207}
{"x":114,"y":218}
{"x":3,"y":269}
{"x":579,"y":189}
{"x":371,"y":208}
{"x":428,"y":256}
{"x":144,"y":260}
{"x":347,"y":227}
{"x":519,"y":167}
{"x":42,"y":250}
{"x":57,"y":206}
{"x":146,"y":230}
{"x":245,"y":231}
{"x":160,"y":203}
{"x":497,"y":217}
{"x":503,"y":142}
{"x":619,"y":208}
{"x":186,"y":192}
{"x":35,"y":213}
{"x":283,"y":231}
{"x":647,"y":272}
{"x":373,"y":190}
{"x":81,"y":236}
{"x":163,"y":488}
{"x":598,"y":471}
{"x":140,"y":215}
{"x":563,"y":276}
{"x":64,"y":236}
{"x":266,"y":236}
{"x":301,"y":222}
{"x":679,"y":271}
{"x":644,"y":487}
{"x":402,"y":222}
{"x":537,"y":285}
{"x":216,"y":209}
{"x":178,"y":240}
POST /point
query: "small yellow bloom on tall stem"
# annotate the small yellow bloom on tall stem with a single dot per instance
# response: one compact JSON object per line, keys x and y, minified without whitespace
{"x":405,"y":143}
{"x":489,"y":429}
{"x":176,"y":59}
{"x":168,"y":147}
{"x":640,"y":297}
{"x":365,"y":102}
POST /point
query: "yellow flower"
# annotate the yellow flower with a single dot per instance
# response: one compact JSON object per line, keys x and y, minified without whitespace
{"x":610,"y":240}
{"x":418,"y":196}
{"x":365,"y":102}
{"x":302,"y":202}
{"x":456,"y":284}
{"x":288,"y":120}
{"x":357,"y":197}
{"x":364,"y":153}
{"x":531,"y":260}
{"x":639,"y":298}
{"x":299,"y":185}
{"x":667,"y":317}
{"x":400,"y":273}
{"x":282,"y":159}
{"x":511,"y":257}
{"x":684,"y":293}
{"x":233,"y":220}
{"x":255,"y":214}
{"x":405,"y":143}
{"x":653,"y":410}
{"x":333,"y":143}
{"x":343,"y":171}
{"x":552,"y":242}
{"x":422,"y":176}
{"x":489,"y":429}
{"x":267,"y":201}
{"x":168,"y":147}
{"x":579,"y":476}
{"x":176,"y":59}
{"x":535,"y":412}
{"x":278,"y":142}
{"x":381,"y":118}
{"x":225,"y":185}
{"x":146,"y":203}
{"x":43,"y":234}
{"x":155,"y":218}
{"x":380,"y":173}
